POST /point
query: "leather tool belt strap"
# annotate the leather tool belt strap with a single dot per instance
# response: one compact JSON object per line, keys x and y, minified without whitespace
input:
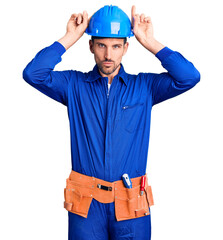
{"x":81,"y":189}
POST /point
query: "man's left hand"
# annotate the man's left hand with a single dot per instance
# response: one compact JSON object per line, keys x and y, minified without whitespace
{"x":143,"y":30}
{"x":142,"y":26}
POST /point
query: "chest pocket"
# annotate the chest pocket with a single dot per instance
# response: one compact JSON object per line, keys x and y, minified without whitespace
{"x":132,"y":116}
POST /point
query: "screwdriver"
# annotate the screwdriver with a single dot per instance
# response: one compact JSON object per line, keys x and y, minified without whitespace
{"x":142,"y":185}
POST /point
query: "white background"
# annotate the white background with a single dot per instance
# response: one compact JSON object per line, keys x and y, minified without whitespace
{"x":185,"y":153}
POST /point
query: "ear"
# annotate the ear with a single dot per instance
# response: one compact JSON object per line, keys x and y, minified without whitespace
{"x":125,"y":48}
{"x":91,"y":46}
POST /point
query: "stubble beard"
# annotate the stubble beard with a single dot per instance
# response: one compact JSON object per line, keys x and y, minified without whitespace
{"x":107,"y":70}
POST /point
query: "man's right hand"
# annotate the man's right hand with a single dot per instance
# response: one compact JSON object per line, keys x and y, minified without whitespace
{"x":76,"y":27}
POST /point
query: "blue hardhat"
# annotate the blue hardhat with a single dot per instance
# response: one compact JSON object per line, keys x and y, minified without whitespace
{"x":110,"y":21}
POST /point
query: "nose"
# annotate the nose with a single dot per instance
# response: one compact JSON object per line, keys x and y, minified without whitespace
{"x":108,"y":53}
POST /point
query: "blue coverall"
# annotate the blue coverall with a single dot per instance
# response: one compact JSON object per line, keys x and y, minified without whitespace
{"x":109,"y":132}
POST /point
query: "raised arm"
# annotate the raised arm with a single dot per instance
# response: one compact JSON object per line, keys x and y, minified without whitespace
{"x":39,"y":72}
{"x":181,"y":75}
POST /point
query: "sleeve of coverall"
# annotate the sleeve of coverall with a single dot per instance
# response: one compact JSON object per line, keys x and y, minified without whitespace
{"x":181,"y":76}
{"x":39,"y":73}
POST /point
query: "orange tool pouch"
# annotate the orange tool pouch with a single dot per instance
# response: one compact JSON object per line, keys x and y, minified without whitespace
{"x":81,"y":189}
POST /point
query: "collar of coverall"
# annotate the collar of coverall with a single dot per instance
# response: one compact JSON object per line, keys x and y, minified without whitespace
{"x":95,"y":74}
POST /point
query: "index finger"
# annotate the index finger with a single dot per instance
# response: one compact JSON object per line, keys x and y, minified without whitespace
{"x":85,"y":16}
{"x":133,"y":11}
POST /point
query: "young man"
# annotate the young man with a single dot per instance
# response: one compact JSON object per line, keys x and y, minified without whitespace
{"x":109,"y":112}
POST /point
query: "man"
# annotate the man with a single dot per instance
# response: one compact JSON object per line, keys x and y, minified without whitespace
{"x":109,"y":113}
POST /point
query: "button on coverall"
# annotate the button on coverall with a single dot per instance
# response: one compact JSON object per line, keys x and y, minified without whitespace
{"x":109,"y":132}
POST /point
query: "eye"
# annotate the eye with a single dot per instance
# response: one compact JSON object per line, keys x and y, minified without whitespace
{"x":116,"y":46}
{"x":101,"y":45}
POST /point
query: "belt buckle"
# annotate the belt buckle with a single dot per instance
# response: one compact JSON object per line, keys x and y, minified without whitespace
{"x":104,"y":187}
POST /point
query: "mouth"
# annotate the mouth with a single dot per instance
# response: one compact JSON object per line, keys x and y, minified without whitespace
{"x":107,"y":63}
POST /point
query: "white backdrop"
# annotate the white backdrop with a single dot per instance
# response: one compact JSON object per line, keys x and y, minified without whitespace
{"x":185,"y":153}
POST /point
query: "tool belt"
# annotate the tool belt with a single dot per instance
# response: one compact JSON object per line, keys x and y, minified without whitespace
{"x":81,"y":189}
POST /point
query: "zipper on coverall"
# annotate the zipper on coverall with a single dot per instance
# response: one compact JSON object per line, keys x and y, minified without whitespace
{"x":108,"y":91}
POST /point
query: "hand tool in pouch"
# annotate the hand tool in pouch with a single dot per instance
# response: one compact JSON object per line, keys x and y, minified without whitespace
{"x":142,"y":185}
{"x":126,"y":180}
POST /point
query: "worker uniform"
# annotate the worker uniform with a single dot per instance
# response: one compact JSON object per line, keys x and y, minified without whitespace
{"x":109,"y":129}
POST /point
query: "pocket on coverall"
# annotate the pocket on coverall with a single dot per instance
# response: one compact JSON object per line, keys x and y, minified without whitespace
{"x":132,"y":116}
